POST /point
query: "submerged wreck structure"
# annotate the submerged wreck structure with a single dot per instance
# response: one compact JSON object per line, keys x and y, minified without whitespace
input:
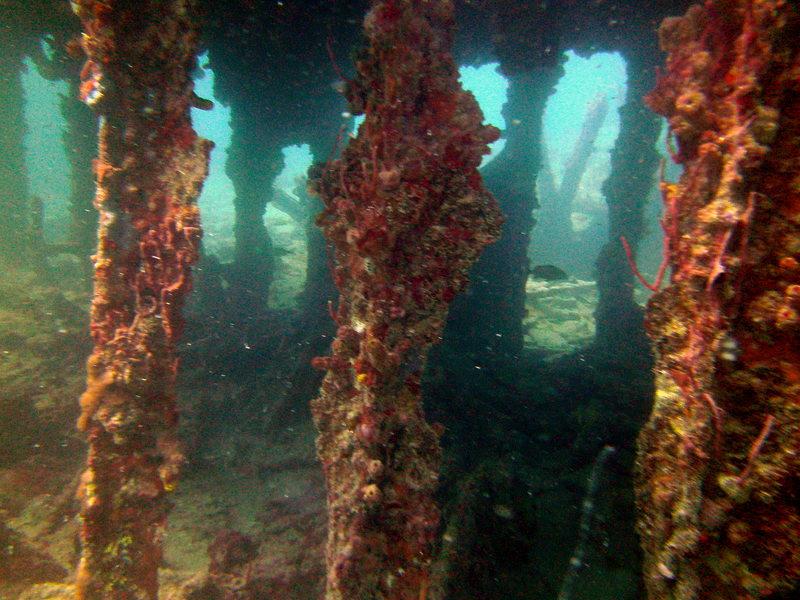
{"x":149,"y":170}
{"x":407,"y":215}
{"x":719,"y":465}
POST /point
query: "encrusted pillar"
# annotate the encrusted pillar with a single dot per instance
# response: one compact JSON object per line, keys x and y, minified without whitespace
{"x":149,"y":170}
{"x":406,"y":214}
{"x":719,"y":460}
{"x":254,"y":160}
{"x":634,"y":162}
{"x":273,"y":65}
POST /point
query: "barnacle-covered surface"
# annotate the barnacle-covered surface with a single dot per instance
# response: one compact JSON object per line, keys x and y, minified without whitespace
{"x":407,"y":215}
{"x":718,"y":465}
{"x":149,"y":170}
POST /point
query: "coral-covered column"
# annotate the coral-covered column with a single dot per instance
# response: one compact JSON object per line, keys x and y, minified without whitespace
{"x":634,"y":163}
{"x":150,"y":168}
{"x":407,"y":214}
{"x":719,"y":463}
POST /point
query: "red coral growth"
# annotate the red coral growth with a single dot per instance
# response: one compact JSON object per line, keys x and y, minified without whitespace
{"x":149,"y":171}
{"x":722,"y":447}
{"x":407,"y":215}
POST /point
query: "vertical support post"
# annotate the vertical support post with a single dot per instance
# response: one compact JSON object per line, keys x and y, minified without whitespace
{"x":489,"y":321}
{"x":634,"y":162}
{"x":407,"y":215}
{"x":718,"y":460}
{"x":254,"y":160}
{"x":149,"y":171}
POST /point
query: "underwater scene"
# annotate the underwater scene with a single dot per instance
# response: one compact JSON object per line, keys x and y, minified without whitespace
{"x":399,"y":300}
